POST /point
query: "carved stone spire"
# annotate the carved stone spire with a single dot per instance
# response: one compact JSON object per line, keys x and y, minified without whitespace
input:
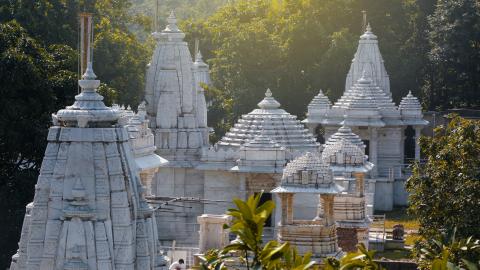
{"x":175,"y":100}
{"x":369,"y":58}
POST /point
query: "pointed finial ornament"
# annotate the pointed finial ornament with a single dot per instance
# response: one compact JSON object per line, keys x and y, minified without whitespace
{"x":369,"y":28}
{"x":89,"y":74}
{"x":268,"y":93}
{"x":172,"y":18}
{"x":368,"y":35}
{"x":199,"y":56}
{"x":268,"y":102}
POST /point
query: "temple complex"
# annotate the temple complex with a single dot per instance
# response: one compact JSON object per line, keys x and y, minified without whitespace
{"x":90,"y":209}
{"x":390,"y":133}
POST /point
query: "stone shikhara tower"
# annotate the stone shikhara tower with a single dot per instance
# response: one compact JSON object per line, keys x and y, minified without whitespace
{"x":175,"y":99}
{"x":88,"y":211}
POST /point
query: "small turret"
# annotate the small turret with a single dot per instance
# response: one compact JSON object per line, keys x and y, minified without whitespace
{"x":411,"y":111}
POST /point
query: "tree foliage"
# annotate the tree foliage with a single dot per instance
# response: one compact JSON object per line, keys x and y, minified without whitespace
{"x":362,"y":259}
{"x":444,"y":192}
{"x":453,"y":79}
{"x":34,"y":82}
{"x":446,"y":251}
{"x":296,"y":47}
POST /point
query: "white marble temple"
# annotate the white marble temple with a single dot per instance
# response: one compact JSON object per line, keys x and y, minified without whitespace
{"x":367,"y":108}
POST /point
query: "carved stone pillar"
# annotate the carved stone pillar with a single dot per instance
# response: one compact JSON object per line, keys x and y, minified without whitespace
{"x":359,"y":183}
{"x":418,"y":129}
{"x":374,"y":150}
{"x":327,"y":200}
{"x":146,"y":177}
{"x":287,"y":208}
{"x":319,"y":209}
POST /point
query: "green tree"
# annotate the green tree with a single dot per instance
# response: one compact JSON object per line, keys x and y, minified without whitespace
{"x":120,"y":59}
{"x":454,"y":37}
{"x":34,"y":82}
{"x":296,"y":47}
{"x":444,"y":191}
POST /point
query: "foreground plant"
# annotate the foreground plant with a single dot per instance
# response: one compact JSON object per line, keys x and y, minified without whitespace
{"x":448,"y":252}
{"x":362,"y":259}
{"x":248,"y":221}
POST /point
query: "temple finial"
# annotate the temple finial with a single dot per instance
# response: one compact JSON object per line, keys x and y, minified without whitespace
{"x":172,"y":18}
{"x":268,"y":93}
{"x":369,"y":28}
{"x":199,"y":56}
{"x":172,"y":23}
{"x":89,"y":74}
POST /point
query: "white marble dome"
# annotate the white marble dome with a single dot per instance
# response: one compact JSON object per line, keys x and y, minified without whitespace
{"x":344,"y":156}
{"x":308,"y":174}
{"x":271,"y":121}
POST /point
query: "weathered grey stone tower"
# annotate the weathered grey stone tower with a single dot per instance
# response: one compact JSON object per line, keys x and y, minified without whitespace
{"x":88,"y":211}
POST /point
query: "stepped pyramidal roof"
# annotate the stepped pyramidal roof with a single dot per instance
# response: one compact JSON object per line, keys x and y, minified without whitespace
{"x":88,"y":211}
{"x":271,"y":121}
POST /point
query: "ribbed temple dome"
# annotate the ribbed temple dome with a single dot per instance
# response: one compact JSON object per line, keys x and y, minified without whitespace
{"x":345,"y":133}
{"x":411,"y":111}
{"x":273,"y":122}
{"x":319,"y":102}
{"x":345,"y":157}
{"x":310,"y":163}
{"x":343,"y":152}
{"x":308,"y":174}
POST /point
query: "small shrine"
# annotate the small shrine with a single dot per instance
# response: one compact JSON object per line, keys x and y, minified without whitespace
{"x":344,"y":152}
{"x":309,"y":174}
